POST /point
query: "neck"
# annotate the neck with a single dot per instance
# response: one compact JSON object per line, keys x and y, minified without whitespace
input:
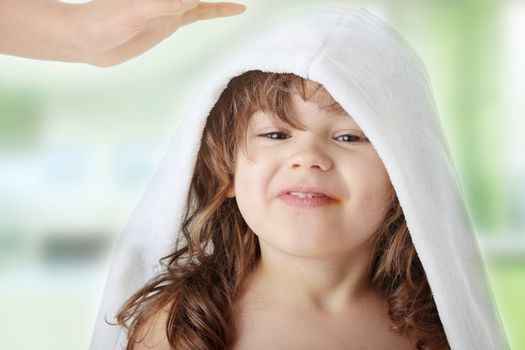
{"x":326,"y":285}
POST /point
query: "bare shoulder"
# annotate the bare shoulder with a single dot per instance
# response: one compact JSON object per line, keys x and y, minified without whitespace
{"x":152,"y":335}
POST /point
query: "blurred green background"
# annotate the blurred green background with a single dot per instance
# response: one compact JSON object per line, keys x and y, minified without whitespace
{"x":79,"y":144}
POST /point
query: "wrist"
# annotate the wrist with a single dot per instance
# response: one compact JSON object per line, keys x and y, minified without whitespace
{"x":39,"y":29}
{"x":73,"y":21}
{"x":88,"y":28}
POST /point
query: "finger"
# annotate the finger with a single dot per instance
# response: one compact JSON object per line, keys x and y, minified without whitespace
{"x":143,"y":10}
{"x":207,"y":10}
{"x":147,"y":9}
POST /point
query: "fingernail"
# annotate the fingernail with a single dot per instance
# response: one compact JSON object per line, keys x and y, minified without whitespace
{"x":240,"y":9}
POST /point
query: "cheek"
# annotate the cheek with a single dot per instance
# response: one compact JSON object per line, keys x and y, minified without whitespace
{"x":370,"y":190}
{"x":376,"y":189}
{"x":250,"y":191}
{"x":252,"y":175}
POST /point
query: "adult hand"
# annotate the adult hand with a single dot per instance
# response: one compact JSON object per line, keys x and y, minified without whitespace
{"x":114,"y":31}
{"x":99,"y":32}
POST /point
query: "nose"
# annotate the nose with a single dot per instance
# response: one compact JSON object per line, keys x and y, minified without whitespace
{"x":310,"y":156}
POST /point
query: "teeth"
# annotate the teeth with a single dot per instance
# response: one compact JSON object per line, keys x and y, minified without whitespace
{"x":306,"y":195}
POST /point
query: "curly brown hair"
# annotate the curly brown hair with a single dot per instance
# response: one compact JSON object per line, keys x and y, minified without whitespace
{"x":216,"y":251}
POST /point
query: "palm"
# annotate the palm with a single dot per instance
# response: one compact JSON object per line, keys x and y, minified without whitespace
{"x":139,"y":28}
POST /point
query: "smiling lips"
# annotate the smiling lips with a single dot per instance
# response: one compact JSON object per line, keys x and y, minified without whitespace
{"x":307,"y":197}
{"x":306,"y":202}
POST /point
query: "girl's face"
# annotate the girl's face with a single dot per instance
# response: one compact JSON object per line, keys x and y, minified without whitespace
{"x":331,"y":156}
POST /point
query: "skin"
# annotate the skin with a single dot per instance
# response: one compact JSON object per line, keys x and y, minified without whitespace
{"x":100,"y":32}
{"x":316,"y":256}
{"x":311,"y":288}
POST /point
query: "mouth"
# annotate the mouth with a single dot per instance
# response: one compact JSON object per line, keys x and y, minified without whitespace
{"x":307,"y":196}
{"x":309,"y":200}
{"x":307,"y":192}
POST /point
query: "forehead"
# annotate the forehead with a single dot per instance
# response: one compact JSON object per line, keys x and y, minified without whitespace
{"x":308,"y":111}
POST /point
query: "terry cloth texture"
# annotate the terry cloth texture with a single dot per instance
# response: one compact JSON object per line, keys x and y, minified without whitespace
{"x":381,"y":82}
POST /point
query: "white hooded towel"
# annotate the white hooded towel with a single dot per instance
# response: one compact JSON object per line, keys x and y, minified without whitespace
{"x":380,"y":81}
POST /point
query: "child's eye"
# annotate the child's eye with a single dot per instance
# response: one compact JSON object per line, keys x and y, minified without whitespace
{"x":274,"y":135}
{"x":352,"y":138}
